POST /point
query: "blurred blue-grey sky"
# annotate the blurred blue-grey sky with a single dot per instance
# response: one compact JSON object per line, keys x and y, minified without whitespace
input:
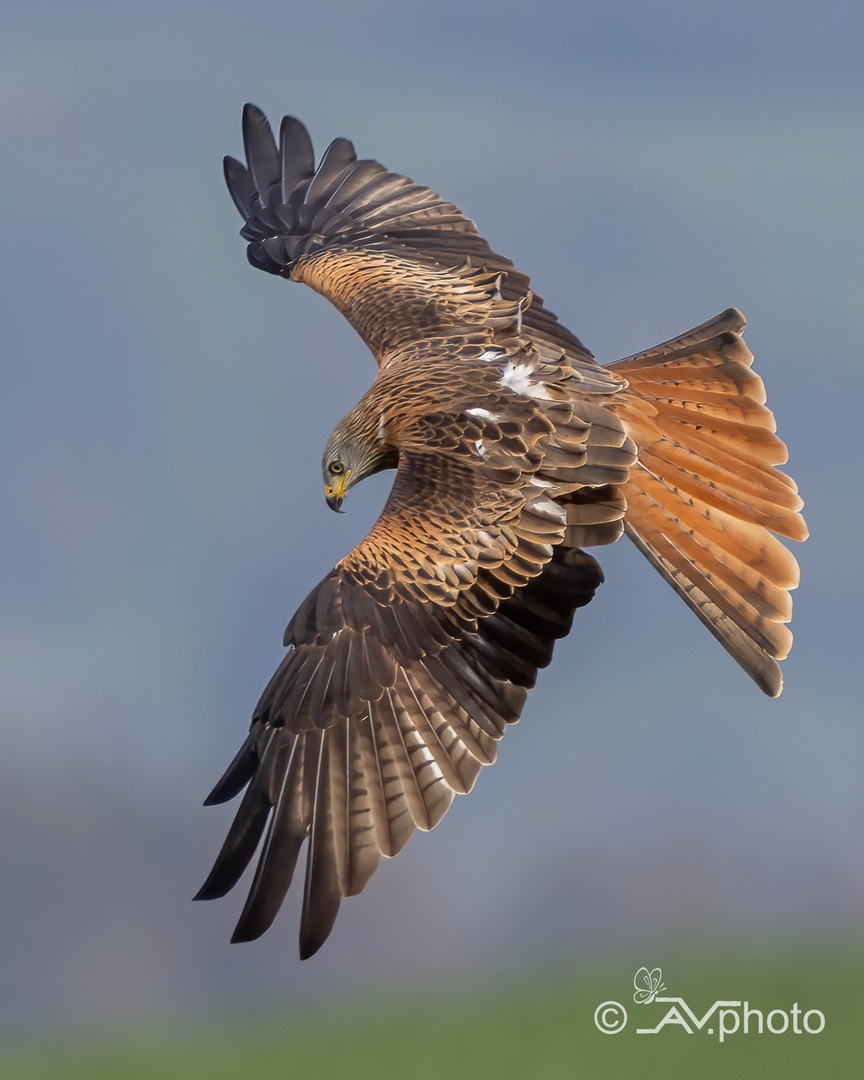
{"x":164,"y":412}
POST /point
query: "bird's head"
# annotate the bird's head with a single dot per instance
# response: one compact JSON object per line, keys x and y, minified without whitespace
{"x":351,"y":456}
{"x":339,"y":475}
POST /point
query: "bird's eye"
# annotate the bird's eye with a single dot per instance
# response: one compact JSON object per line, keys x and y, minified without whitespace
{"x":337,"y":468}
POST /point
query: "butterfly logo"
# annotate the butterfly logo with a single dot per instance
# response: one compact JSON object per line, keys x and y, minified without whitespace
{"x":648,"y":985}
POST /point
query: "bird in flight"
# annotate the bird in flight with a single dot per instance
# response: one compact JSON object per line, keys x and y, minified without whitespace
{"x":514,"y":450}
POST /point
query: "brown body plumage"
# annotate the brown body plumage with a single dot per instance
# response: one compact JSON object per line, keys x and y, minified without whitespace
{"x":514,"y":450}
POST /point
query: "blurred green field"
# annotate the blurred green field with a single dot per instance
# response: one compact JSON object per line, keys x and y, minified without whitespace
{"x":528,"y":1027}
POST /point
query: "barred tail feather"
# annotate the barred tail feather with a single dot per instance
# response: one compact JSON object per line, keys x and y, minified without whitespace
{"x":704,"y":499}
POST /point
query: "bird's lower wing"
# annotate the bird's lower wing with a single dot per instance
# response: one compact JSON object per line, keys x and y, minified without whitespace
{"x":360,"y":787}
{"x":407,"y":662}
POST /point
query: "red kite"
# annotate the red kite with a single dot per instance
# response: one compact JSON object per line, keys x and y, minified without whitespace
{"x":513,"y":451}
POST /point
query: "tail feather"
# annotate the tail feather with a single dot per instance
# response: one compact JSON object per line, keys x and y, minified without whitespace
{"x":716,"y":461}
{"x":694,"y":474}
{"x":752,"y":439}
{"x":724,"y":583}
{"x":768,"y":560}
{"x":764,"y":671}
{"x":704,"y":499}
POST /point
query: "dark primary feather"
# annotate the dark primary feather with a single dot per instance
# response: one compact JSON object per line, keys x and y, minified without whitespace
{"x":262,"y":155}
{"x":236,"y":776}
{"x":296,"y":157}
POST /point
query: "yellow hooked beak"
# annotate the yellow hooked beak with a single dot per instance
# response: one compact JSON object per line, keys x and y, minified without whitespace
{"x":335,"y":493}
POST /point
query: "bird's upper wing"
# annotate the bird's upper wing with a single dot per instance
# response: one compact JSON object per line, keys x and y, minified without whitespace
{"x":408,"y":660}
{"x":401,"y":263}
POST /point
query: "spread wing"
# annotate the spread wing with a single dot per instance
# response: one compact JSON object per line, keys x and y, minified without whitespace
{"x":404,"y":667}
{"x":401,"y":263}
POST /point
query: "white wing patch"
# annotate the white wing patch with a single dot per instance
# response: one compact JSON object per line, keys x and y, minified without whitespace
{"x":543,"y":506}
{"x":484,"y":414}
{"x":518,"y":378}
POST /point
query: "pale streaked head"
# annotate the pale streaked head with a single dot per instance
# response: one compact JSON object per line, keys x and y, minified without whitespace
{"x":348,"y":459}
